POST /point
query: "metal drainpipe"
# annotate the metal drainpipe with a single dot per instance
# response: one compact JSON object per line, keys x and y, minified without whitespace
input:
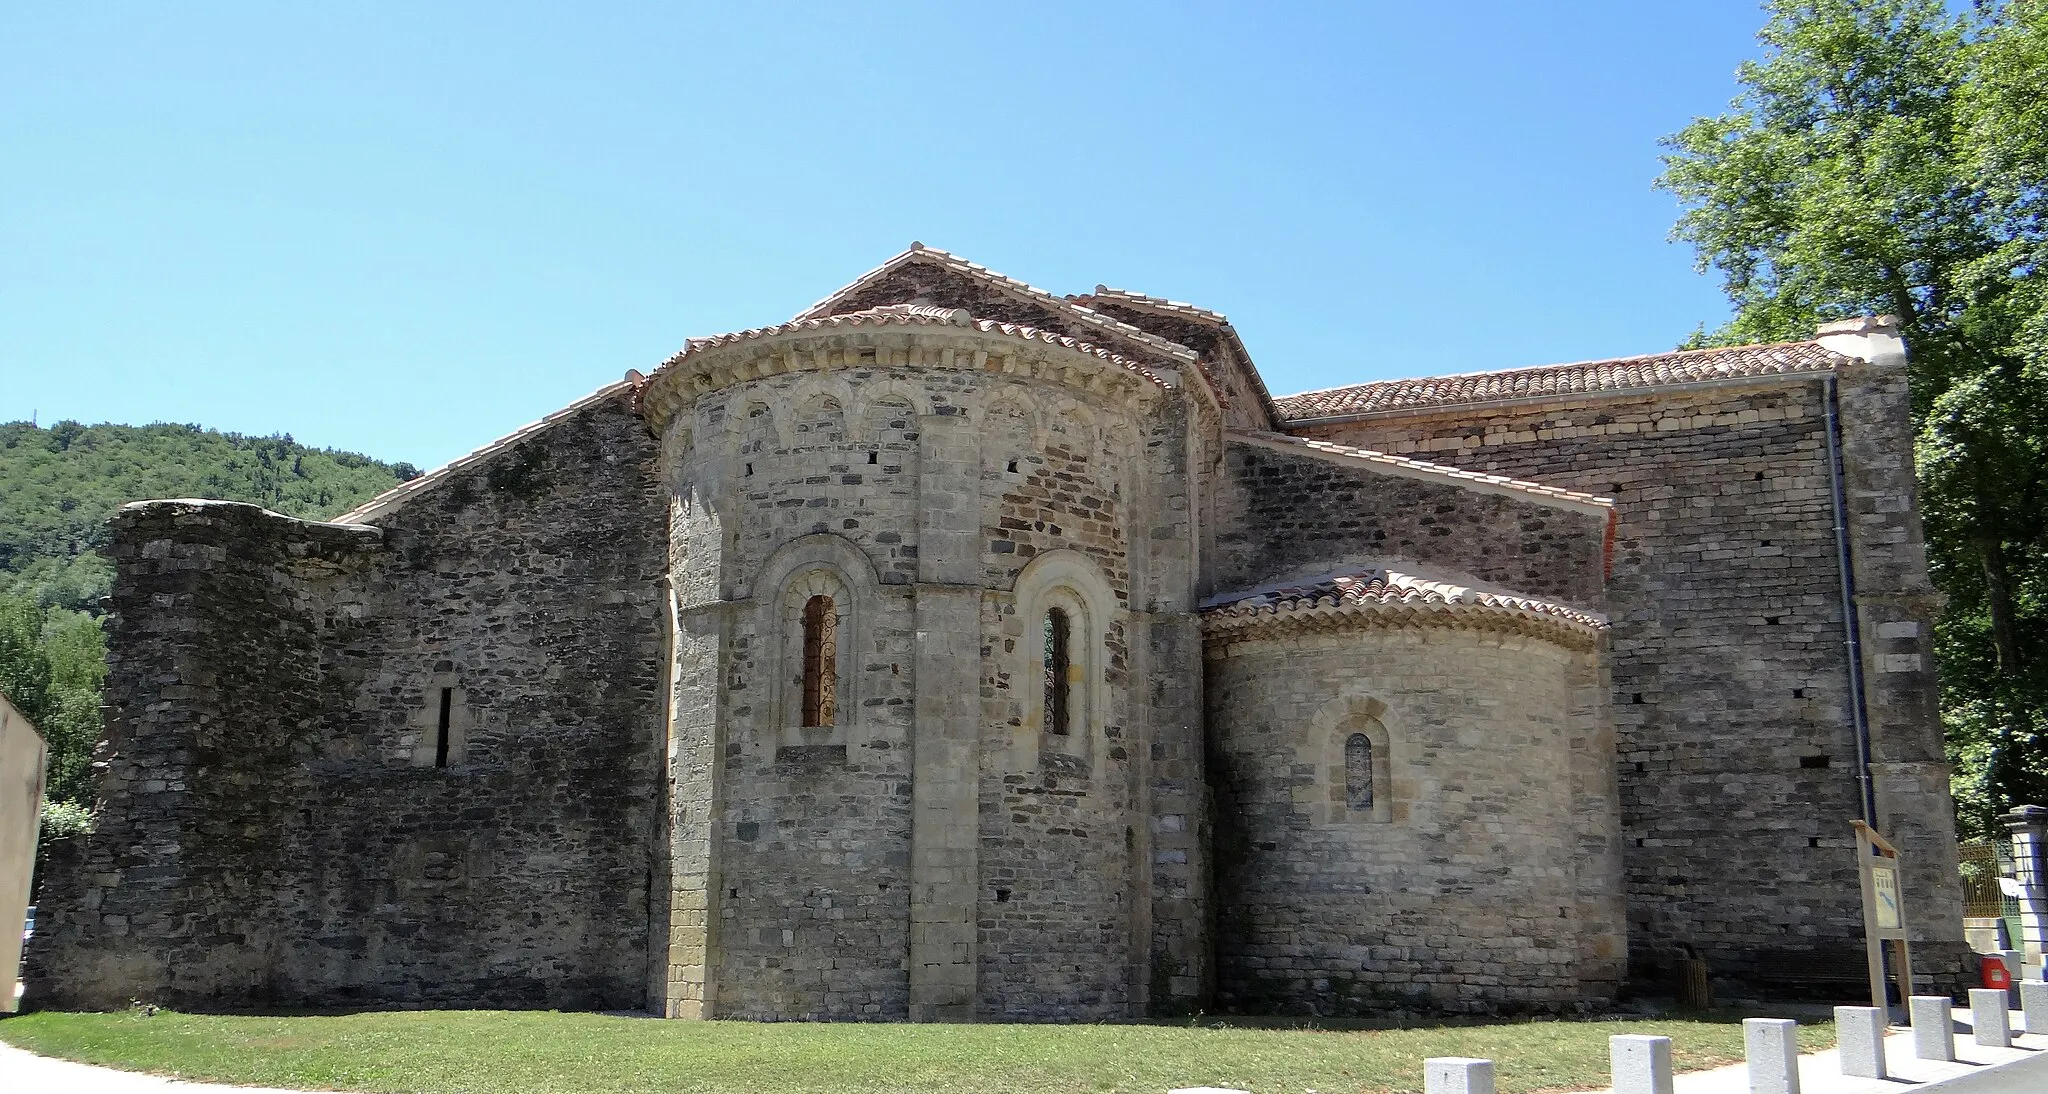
{"x":1851,"y":627}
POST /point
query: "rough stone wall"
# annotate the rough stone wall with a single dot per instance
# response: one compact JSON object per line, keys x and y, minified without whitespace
{"x":1231,"y":372}
{"x":274,"y":829}
{"x":1737,"y":766}
{"x":914,"y":860}
{"x":1469,"y":890}
{"x":1285,"y":514}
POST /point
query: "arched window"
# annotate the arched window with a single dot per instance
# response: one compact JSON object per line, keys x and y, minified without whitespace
{"x":1059,"y":632}
{"x":1358,"y":773}
{"x":821,"y":668}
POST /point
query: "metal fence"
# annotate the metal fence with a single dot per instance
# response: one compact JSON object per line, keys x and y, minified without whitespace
{"x":1983,"y":863}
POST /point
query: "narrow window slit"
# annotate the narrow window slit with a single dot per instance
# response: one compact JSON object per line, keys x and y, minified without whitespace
{"x":1358,"y":771}
{"x":1058,"y":634}
{"x":821,"y":669}
{"x":441,"y":732}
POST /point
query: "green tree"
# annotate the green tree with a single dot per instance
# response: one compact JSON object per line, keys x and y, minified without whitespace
{"x":1887,"y":156}
{"x":59,"y":485}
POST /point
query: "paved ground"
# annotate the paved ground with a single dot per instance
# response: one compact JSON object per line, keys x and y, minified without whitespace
{"x":2021,"y":1069}
{"x":26,"y":1073}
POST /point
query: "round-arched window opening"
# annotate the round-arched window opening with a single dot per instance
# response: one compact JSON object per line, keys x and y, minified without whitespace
{"x":821,"y":657}
{"x":1358,"y":773}
{"x":1059,"y":631}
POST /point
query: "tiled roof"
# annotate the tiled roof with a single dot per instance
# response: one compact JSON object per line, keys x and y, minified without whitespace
{"x":1154,"y":303}
{"x":1401,"y":465}
{"x":1352,"y":593}
{"x":406,"y":491}
{"x":918,"y":252}
{"x":1558,"y":381}
{"x":914,"y":315}
{"x":1162,"y":306}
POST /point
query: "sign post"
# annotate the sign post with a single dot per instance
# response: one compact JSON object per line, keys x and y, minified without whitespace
{"x":1884,"y":914}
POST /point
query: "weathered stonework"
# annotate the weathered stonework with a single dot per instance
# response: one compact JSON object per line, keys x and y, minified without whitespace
{"x":960,"y":652}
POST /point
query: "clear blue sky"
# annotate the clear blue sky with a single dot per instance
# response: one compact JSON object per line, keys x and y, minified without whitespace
{"x":407,"y":229}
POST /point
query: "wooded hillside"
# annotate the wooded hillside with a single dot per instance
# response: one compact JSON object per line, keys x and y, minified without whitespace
{"x":59,"y":485}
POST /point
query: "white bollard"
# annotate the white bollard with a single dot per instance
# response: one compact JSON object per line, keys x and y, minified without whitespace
{"x":1988,"y":1017}
{"x":2034,"y":1005}
{"x":1859,"y":1038}
{"x":1457,"y":1075}
{"x":2015,"y":964}
{"x":1772,"y":1046}
{"x":1934,"y":1028}
{"x":1639,"y":1064}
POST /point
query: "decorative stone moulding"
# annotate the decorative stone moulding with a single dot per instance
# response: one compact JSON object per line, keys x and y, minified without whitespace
{"x":897,"y":336}
{"x":1385,"y":600}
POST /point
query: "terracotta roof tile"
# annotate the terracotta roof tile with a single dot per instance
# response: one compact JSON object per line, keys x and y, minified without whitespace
{"x":1557,"y":381}
{"x":914,"y":315}
{"x":1036,"y":295}
{"x":1161,"y":306}
{"x":1360,"y":591}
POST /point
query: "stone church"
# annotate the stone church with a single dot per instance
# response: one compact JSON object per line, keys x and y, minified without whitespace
{"x":958,"y":651}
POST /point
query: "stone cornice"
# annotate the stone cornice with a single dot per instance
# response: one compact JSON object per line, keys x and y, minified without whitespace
{"x":896,"y":340}
{"x":1229,"y":626}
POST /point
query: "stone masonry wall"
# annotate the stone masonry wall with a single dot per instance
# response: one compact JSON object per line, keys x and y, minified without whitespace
{"x":274,"y":829}
{"x":913,"y":860}
{"x":1463,"y":888}
{"x":1285,"y":515}
{"x":1737,"y":762}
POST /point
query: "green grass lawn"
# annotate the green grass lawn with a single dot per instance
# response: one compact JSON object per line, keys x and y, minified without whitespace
{"x":511,"y":1052}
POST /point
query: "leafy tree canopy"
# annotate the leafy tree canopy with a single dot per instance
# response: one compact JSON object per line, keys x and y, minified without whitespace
{"x":1889,"y":156}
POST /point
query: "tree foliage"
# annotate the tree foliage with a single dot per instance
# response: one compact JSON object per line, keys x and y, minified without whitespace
{"x":1889,"y":156}
{"x":59,"y":485}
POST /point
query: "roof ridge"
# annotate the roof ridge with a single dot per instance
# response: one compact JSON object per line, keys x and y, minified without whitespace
{"x":1566,"y":364}
{"x":1579,"y":377}
{"x":398,"y":495}
{"x":1420,"y":468}
{"x":1031,"y":292}
{"x":1177,"y":307}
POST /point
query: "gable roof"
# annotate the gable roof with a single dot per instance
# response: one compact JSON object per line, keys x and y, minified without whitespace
{"x":404,"y":492}
{"x":1008,"y":286}
{"x":1203,"y":316}
{"x":1561,"y":381}
{"x":1401,"y":465}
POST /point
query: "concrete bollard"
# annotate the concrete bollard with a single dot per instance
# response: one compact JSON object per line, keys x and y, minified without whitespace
{"x":1457,"y":1075}
{"x":2015,"y":964}
{"x":1639,"y":1065}
{"x":2034,"y":1006}
{"x":1859,"y":1038}
{"x":1772,"y":1047}
{"x":1988,"y":1017}
{"x":1934,"y":1028}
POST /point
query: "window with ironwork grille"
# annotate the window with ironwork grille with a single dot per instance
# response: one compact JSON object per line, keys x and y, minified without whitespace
{"x":1059,"y":631}
{"x":1358,"y":773}
{"x":821,"y":648}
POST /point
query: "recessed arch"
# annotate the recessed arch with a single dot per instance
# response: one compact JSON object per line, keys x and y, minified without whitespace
{"x":817,"y":572}
{"x":1354,"y":758}
{"x":1061,"y":593}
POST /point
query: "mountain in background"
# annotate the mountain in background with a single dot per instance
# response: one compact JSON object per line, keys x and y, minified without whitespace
{"x":59,"y":485}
